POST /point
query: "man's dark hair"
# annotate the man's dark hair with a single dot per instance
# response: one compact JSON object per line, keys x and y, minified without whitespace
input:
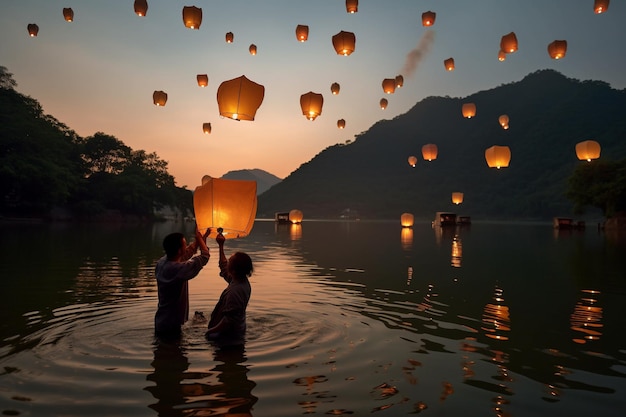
{"x":172,"y":244}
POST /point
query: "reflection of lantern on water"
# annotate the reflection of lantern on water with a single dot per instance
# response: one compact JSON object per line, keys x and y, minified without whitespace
{"x":227,"y":204}
{"x":295,"y":231}
{"x":586,"y":319}
{"x":457,"y":252}
{"x":296,"y":216}
{"x":406,"y":238}
{"x":406,"y":220}
{"x":409,"y":274}
{"x":239,"y":98}
{"x":496,"y":320}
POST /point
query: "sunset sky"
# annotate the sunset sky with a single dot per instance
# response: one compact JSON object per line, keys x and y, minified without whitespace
{"x":98,"y":72}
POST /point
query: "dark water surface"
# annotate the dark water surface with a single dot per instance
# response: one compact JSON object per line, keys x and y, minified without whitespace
{"x":346,"y":318}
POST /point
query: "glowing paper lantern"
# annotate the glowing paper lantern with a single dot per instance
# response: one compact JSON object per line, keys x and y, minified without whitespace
{"x":449,"y":64}
{"x":159,"y":98}
{"x":498,"y":156}
{"x":429,"y":152}
{"x":227,"y":204}
{"x":239,"y":98}
{"x":252,"y":49}
{"x":557,"y":49}
{"x":457,"y":198}
{"x":468,"y":110}
{"x":230,"y":38}
{"x":412,"y":160}
{"x":341,"y":123}
{"x":501,"y":55}
{"x":588,"y":150}
{"x":508,"y":43}
{"x":352,"y":6}
{"x":399,"y":81}
{"x":192,"y":17}
{"x":302,"y":33}
{"x":383,"y":103}
{"x":311,"y":104}
{"x":344,"y":43}
{"x":428,"y":18}
{"x":389,"y":85}
{"x":68,"y":14}
{"x":600,"y":6}
{"x":141,"y":7}
{"x":203,"y":80}
{"x":206,"y":128}
{"x":504,"y":121}
{"x":334,"y":88}
{"x":33,"y":29}
{"x":295,"y":216}
{"x":406,"y":220}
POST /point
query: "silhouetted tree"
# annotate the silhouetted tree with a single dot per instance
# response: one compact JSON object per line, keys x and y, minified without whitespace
{"x":600,"y":184}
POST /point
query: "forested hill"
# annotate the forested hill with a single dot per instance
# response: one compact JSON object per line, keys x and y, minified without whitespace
{"x":548,"y":112}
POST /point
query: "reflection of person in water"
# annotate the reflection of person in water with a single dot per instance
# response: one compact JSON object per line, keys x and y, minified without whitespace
{"x":170,"y":364}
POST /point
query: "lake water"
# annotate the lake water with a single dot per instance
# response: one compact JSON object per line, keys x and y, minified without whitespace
{"x":346,"y":318}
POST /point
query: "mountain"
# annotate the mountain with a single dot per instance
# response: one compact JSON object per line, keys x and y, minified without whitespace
{"x":548,"y":112}
{"x":264,"y":180}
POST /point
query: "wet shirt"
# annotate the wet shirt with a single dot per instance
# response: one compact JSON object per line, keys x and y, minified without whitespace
{"x":232,"y":307}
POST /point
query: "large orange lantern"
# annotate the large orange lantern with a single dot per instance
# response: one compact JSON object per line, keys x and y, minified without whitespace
{"x":334,"y":88}
{"x":588,"y":150}
{"x":457,"y":197}
{"x":389,"y":85}
{"x":399,"y":81}
{"x":449,"y":64}
{"x":341,"y":123}
{"x":230,"y":37}
{"x":406,"y":220}
{"x":352,"y":6}
{"x":141,"y":7}
{"x":429,"y":152}
{"x":203,"y":80}
{"x":302,"y":33}
{"x":600,"y":6}
{"x":68,"y":14}
{"x":428,"y":18}
{"x":344,"y":43}
{"x":296,"y":216}
{"x":383,"y":103}
{"x":33,"y":29}
{"x":159,"y":98}
{"x":192,"y":17}
{"x":412,"y":160}
{"x":206,"y":128}
{"x":252,"y":49}
{"x":557,"y":49}
{"x":239,"y":98}
{"x":226,"y":204}
{"x":508,"y":43}
{"x":498,"y":156}
{"x":468,"y":110}
{"x":311,"y":104}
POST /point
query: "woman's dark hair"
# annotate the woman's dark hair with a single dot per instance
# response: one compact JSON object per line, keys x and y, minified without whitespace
{"x":172,"y":244}
{"x":240,"y":264}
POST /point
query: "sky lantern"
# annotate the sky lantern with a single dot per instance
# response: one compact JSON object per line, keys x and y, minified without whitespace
{"x":406,"y":220}
{"x":399,"y":81}
{"x":389,"y":85}
{"x":468,"y":110}
{"x":352,"y":6}
{"x":252,"y":49}
{"x":557,"y":49}
{"x":159,"y":98}
{"x":239,"y":98}
{"x":504,"y":121}
{"x":334,"y":88}
{"x":429,"y":152}
{"x":428,"y":18}
{"x":501,"y":55}
{"x":226,"y":204}
{"x":206,"y":128}
{"x":203,"y":80}
{"x":68,"y":14}
{"x":383,"y":103}
{"x":508,"y":43}
{"x":588,"y":150}
{"x":33,"y":29}
{"x":295,"y":216}
{"x":192,"y":17}
{"x":449,"y":64}
{"x":302,"y":33}
{"x":600,"y":6}
{"x":498,"y":156}
{"x":341,"y":123}
{"x":457,"y":197}
{"x":412,"y":160}
{"x":344,"y":43}
{"x":230,"y":38}
{"x":311,"y":104}
{"x":141,"y":7}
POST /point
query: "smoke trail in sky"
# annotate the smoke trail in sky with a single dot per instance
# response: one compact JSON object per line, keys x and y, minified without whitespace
{"x":417,"y":54}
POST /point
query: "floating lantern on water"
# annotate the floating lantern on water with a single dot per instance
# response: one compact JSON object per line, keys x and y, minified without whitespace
{"x":334,"y":88}
{"x":449,"y":64}
{"x":399,"y":81}
{"x":504,"y":121}
{"x":203,"y":80}
{"x":311,"y":104}
{"x":468,"y":110}
{"x":557,"y":49}
{"x":33,"y":29}
{"x":429,"y":152}
{"x":457,"y":197}
{"x":159,"y":98}
{"x":68,"y":14}
{"x":302,"y":33}
{"x":352,"y":6}
{"x":141,"y":7}
{"x":412,"y":160}
{"x":206,"y":128}
{"x":252,"y":49}
{"x":230,"y":38}
{"x":406,"y":220}
{"x":600,"y":6}
{"x":428,"y":18}
{"x":344,"y":43}
{"x":498,"y":156}
{"x":383,"y":103}
{"x":508,"y":43}
{"x":226,"y":204}
{"x":341,"y":123}
{"x":192,"y":17}
{"x":588,"y":150}
{"x":295,"y":216}
{"x":239,"y":98}
{"x":389,"y":85}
